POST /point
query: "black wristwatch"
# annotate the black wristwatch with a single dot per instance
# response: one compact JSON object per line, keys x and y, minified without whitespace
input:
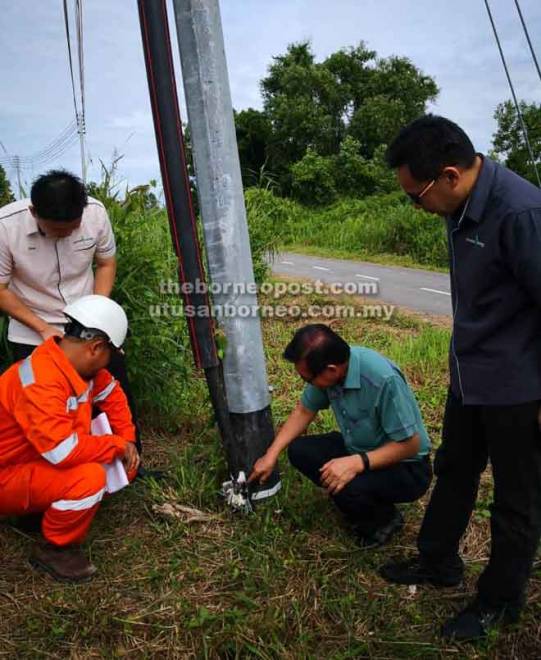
{"x":365,"y":459}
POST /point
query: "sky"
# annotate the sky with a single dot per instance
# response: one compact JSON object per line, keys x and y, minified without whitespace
{"x":450,"y":41}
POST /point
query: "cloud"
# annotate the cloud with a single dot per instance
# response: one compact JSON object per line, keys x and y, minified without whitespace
{"x":451,"y":41}
{"x":135,"y":120}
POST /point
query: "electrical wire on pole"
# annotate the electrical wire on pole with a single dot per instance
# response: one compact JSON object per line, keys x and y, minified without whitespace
{"x":80,"y":110}
{"x":532,"y":51}
{"x":14,"y":166}
{"x":75,"y":129}
{"x":54,"y":149}
{"x":80,"y":57}
{"x":515,"y":100}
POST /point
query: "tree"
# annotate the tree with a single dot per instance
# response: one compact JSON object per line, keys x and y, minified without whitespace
{"x":293,"y":94}
{"x":313,"y":179}
{"x":508,"y":143}
{"x":313,"y":106}
{"x":253,"y":130}
{"x":395,"y":94}
{"x":6,"y":195}
{"x":357,"y":176}
{"x":319,"y":179}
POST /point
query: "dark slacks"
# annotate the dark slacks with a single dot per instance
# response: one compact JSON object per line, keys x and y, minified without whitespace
{"x":368,"y":500}
{"x":117,"y":368}
{"x":510,"y":437}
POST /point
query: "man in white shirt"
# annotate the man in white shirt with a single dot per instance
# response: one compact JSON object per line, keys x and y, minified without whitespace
{"x":49,"y":245}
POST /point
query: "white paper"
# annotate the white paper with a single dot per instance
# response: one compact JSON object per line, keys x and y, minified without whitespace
{"x":100,"y":425}
{"x":115,"y":473}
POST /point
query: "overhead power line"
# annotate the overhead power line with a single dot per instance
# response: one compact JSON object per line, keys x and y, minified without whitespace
{"x":532,"y":51}
{"x":78,"y":96}
{"x":55,"y":148}
{"x":515,"y":100}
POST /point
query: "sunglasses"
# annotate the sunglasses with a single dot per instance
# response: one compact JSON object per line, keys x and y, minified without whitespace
{"x":417,"y":197}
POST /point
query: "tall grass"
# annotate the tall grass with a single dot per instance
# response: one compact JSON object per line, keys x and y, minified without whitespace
{"x":381,"y":224}
{"x":158,"y":350}
{"x":160,"y":362}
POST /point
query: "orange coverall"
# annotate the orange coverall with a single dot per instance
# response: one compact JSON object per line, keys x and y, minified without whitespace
{"x":49,"y":462}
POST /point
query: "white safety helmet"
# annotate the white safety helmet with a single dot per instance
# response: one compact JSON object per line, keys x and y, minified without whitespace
{"x":100,"y":313}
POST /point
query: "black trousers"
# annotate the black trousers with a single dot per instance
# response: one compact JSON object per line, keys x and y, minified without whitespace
{"x":368,"y":500}
{"x":117,"y":367}
{"x":510,"y":437}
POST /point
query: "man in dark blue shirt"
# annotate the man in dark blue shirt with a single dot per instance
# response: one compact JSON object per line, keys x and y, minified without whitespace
{"x":494,"y":234}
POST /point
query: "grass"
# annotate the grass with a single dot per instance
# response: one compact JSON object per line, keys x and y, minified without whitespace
{"x":385,"y":259}
{"x":287,"y":582}
{"x":386,"y":228}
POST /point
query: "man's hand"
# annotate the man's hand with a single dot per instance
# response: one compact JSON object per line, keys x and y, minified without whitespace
{"x":339,"y":472}
{"x":131,"y":458}
{"x":262,"y":469}
{"x":50,"y":331}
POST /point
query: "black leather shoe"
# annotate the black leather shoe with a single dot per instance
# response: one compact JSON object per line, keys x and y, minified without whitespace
{"x":415,"y":571}
{"x":475,"y":622}
{"x":383,"y":534}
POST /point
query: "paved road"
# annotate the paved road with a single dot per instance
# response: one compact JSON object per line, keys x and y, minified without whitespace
{"x":420,"y":290}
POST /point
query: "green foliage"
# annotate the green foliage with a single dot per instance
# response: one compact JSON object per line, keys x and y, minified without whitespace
{"x":6,"y":195}
{"x":313,"y":179}
{"x":396,"y":93}
{"x":357,"y":176}
{"x":159,"y":355}
{"x":509,"y":145}
{"x":310,"y":108}
{"x":380,"y":224}
{"x":319,"y":180}
{"x":352,"y":171}
{"x":263,"y":230}
{"x":253,"y":132}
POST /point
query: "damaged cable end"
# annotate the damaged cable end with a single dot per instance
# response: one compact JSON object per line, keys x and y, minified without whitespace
{"x":236,"y":494}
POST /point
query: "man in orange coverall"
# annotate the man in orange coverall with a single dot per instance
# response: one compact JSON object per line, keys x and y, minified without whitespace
{"x":49,"y":462}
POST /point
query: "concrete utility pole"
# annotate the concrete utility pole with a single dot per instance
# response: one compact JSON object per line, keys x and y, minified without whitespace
{"x":182,"y":220}
{"x":223,"y":213}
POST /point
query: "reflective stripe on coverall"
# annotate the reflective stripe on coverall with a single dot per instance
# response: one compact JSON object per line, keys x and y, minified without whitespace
{"x":49,"y":462}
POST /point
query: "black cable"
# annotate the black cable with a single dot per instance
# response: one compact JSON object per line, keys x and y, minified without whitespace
{"x":80,"y":53}
{"x":56,"y":148}
{"x":532,"y":51}
{"x":66,"y":24}
{"x":65,"y":134}
{"x":521,"y":118}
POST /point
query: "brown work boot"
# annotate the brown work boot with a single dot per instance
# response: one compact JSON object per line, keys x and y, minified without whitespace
{"x":65,"y":564}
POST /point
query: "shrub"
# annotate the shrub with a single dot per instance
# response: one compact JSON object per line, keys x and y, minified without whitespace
{"x":158,"y":349}
{"x":379,"y":224}
{"x":313,"y":179}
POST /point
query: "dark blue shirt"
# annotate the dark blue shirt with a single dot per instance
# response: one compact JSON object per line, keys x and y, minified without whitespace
{"x":495,"y":255}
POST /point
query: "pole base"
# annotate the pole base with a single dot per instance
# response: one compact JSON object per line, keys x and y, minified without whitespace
{"x":254,"y":433}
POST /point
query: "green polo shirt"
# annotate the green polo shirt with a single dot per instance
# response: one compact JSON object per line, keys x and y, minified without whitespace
{"x":373,"y":406}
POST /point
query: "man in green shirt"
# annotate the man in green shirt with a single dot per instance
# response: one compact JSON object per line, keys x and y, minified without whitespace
{"x":380,"y":456}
